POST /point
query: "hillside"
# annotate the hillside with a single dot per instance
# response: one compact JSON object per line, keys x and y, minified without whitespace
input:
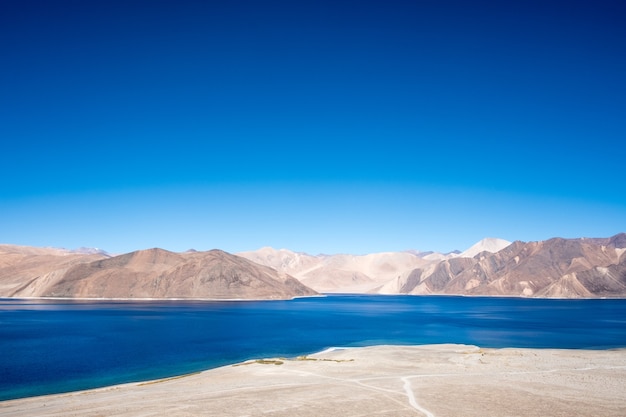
{"x":27,"y":270}
{"x":153,"y":273}
{"x":565,"y":268}
{"x":339,"y":273}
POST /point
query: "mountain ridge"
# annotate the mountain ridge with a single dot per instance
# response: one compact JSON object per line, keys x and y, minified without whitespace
{"x":345,"y":273}
{"x":149,"y":273}
{"x":488,"y":244}
{"x":556,"y":267}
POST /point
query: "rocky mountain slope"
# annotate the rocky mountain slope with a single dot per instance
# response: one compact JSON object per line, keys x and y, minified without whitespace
{"x":25,"y":268}
{"x":567,"y":268}
{"x":153,"y":273}
{"x":356,"y":273}
{"x":340,"y":273}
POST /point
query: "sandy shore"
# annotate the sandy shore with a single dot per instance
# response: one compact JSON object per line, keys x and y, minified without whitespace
{"x":434,"y":380}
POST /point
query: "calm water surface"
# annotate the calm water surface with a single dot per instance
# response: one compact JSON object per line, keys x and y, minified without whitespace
{"x":57,"y":346}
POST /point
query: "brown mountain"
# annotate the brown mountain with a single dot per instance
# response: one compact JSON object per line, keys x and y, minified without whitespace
{"x":569,"y":268}
{"x":153,"y":273}
{"x":25,"y":270}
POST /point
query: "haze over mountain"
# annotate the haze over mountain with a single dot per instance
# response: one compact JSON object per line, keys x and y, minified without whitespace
{"x":152,"y":273}
{"x":355,"y":273}
{"x":338,"y":273}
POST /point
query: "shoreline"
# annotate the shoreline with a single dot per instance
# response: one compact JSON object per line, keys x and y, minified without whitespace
{"x":159,"y":299}
{"x":398,"y":377}
{"x":319,"y":295}
{"x":329,"y":350}
{"x":183,"y":375}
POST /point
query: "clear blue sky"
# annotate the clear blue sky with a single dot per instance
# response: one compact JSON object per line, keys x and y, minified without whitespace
{"x":324,"y":127}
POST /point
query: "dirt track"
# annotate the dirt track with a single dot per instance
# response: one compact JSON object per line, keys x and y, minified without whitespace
{"x":434,"y":380}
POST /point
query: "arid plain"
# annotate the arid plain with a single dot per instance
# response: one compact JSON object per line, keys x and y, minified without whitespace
{"x":430,"y":380}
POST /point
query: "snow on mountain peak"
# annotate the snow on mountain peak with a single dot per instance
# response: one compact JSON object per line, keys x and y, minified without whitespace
{"x":489,"y":244}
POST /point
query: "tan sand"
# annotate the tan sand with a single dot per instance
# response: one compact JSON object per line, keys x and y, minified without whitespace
{"x":434,"y":380}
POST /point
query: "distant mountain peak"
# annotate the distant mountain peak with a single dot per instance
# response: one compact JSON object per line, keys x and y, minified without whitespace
{"x":488,"y":244}
{"x":90,"y":251}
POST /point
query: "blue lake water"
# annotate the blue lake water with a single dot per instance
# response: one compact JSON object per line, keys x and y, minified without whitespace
{"x":57,"y":346}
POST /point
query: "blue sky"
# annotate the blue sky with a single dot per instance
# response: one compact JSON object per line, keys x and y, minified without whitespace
{"x":322,"y":127}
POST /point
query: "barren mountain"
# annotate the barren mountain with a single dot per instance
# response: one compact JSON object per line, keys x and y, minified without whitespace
{"x":341,"y":273}
{"x":568,"y":268}
{"x":284,"y":260}
{"x":25,"y":269}
{"x":488,"y":244}
{"x":157,"y":273}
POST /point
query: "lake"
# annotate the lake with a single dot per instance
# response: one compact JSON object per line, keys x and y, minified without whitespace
{"x":52,"y":346}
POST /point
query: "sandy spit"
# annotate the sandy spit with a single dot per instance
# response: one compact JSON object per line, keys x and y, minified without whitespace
{"x":430,"y":380}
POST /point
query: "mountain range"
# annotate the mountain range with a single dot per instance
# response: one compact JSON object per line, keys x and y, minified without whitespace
{"x":564,"y":268}
{"x":358,"y":273}
{"x":152,"y":273}
{"x":338,"y":273}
